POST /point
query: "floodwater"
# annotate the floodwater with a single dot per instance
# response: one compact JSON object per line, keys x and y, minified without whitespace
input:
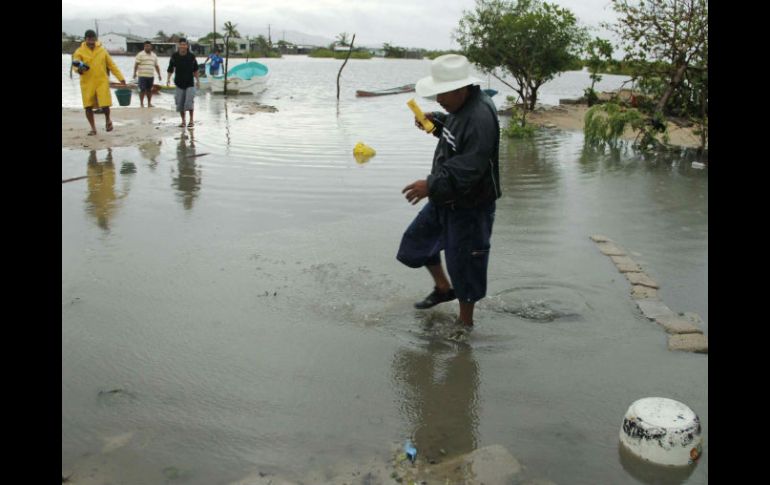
{"x":231,"y":302}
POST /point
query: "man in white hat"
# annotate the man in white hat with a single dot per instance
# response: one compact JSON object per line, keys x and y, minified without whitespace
{"x":461,"y":189}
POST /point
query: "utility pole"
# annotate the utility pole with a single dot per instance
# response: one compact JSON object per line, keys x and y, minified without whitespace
{"x":96,"y":24}
{"x":214,"y":42}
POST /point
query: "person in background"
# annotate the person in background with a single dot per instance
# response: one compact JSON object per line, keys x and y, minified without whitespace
{"x":215,"y":61}
{"x":184,"y":66}
{"x":94,"y":64}
{"x":144,"y":64}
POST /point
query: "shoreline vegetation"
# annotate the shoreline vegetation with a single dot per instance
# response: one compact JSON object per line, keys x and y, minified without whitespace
{"x":570,"y":115}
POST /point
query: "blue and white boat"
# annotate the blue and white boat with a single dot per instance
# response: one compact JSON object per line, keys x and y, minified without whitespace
{"x":249,"y":77}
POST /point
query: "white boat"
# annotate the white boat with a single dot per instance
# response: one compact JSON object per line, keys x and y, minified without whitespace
{"x":249,"y":77}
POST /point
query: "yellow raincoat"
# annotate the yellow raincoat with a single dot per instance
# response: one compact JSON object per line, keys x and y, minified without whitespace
{"x":95,"y":83}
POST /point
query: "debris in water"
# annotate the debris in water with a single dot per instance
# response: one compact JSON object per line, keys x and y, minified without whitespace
{"x":363,"y":153}
{"x":410,"y":450}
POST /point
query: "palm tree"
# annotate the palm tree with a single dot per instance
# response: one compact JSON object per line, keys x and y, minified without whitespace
{"x":230,"y":31}
{"x":342,"y":39}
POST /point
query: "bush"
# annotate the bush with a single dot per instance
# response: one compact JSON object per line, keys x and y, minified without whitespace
{"x":605,"y":123}
{"x":517,"y":126}
{"x":252,"y":54}
{"x":591,"y":96}
{"x":340,"y":55}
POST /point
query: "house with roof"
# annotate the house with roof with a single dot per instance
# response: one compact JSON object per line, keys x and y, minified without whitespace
{"x":117,"y":43}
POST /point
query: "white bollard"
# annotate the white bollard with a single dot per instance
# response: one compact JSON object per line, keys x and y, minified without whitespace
{"x":662,"y":431}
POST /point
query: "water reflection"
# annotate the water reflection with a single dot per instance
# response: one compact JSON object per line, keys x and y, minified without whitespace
{"x":439,"y":397}
{"x":101,"y":199}
{"x":188,"y":176}
{"x":151,"y":151}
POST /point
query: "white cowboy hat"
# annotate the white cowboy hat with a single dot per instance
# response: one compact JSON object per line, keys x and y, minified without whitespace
{"x":447,"y":73}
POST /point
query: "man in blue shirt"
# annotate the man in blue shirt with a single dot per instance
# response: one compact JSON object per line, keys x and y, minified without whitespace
{"x":215,"y":60}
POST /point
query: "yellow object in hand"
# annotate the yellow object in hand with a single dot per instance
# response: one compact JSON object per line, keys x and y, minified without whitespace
{"x":363,"y":153}
{"x":425,"y":122}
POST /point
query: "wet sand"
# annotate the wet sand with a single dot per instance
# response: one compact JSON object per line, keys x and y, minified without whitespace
{"x":132,"y":127}
{"x":570,"y":117}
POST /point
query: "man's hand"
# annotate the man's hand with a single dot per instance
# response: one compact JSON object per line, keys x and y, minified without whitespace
{"x":123,"y":82}
{"x":416,"y":191}
{"x":419,"y":125}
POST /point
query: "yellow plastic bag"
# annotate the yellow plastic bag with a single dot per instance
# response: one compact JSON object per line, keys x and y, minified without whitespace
{"x":363,"y":153}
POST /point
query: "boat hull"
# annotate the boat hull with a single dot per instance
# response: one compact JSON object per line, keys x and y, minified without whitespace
{"x":407,"y":88}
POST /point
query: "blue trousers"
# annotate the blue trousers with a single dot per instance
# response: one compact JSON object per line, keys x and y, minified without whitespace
{"x":464,"y":236}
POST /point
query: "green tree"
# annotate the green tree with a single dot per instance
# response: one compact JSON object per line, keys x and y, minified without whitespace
{"x":672,"y":32}
{"x":261,"y":45}
{"x":211,"y":37}
{"x":342,"y":39}
{"x":599,"y":53}
{"x":393,"y":51}
{"x":529,"y":39}
{"x":161,"y":36}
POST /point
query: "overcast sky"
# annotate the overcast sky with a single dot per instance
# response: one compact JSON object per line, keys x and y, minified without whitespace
{"x":409,"y":23}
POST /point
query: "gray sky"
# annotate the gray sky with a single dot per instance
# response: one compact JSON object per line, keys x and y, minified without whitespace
{"x":409,"y":23}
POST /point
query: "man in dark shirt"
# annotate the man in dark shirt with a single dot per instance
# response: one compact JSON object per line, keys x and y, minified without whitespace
{"x":184,"y":63}
{"x":462,"y":189}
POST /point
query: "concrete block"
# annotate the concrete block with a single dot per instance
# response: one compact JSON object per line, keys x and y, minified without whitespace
{"x":641,"y":279}
{"x":690,"y":342}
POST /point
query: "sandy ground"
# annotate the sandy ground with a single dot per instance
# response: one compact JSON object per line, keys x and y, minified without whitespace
{"x":570,"y":117}
{"x":132,"y":126}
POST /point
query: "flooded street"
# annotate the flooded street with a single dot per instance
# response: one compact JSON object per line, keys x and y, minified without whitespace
{"x":231,"y":301}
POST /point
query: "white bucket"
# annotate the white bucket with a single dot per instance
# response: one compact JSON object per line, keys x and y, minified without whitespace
{"x":662,"y":431}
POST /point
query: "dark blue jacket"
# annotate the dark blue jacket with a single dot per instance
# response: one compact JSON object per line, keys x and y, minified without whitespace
{"x":466,"y":169}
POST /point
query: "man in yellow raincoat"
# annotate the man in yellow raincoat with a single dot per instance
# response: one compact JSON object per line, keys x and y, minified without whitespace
{"x":93,"y":61}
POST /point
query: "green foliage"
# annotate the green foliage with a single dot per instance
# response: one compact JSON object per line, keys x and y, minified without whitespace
{"x":434,"y":54}
{"x":230,"y":29}
{"x":321,"y":52}
{"x":599,"y":55}
{"x":209,"y":38}
{"x":342,"y":39}
{"x":667,"y":40}
{"x":362,"y":54}
{"x":590,"y":95}
{"x":604,"y":124}
{"x":269,"y":54}
{"x":517,"y":125}
{"x":356,"y":54}
{"x":529,"y":39}
{"x":516,"y":130}
{"x":576,"y":65}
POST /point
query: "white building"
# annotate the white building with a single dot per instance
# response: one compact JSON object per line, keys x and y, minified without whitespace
{"x":119,"y":43}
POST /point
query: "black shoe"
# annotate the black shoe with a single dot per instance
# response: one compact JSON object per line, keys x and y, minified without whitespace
{"x":435,"y":298}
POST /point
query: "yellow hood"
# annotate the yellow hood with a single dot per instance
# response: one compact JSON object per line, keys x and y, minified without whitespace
{"x":85,"y":46}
